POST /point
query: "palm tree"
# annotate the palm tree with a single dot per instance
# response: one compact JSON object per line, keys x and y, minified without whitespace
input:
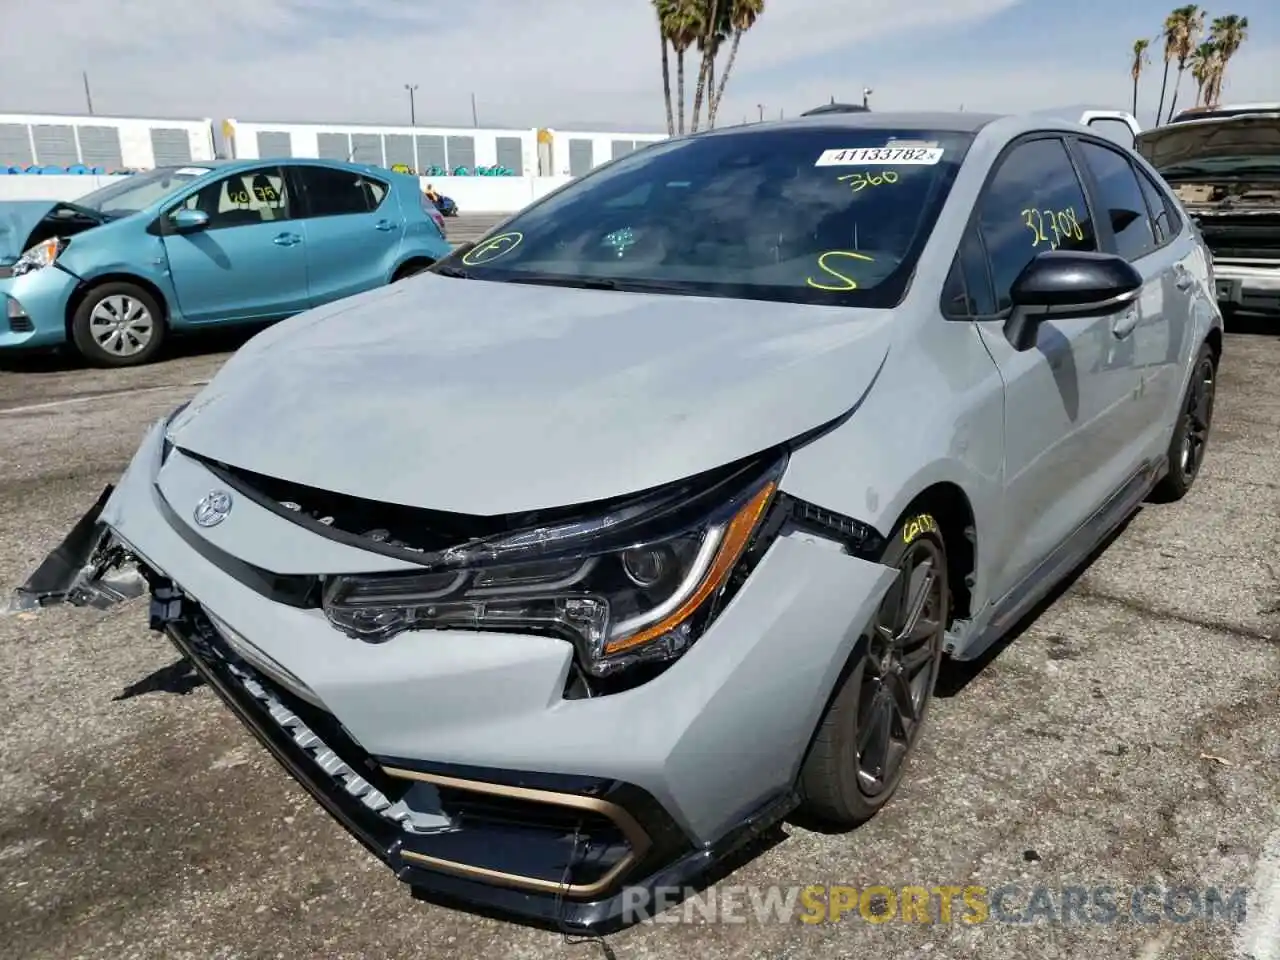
{"x":1190,"y":28}
{"x":1229,"y":32}
{"x":743,"y":15}
{"x":1204,"y":63}
{"x":1170,"y":32}
{"x":681,"y":22}
{"x":663,"y":9}
{"x":712,"y":16}
{"x":1140,"y":60}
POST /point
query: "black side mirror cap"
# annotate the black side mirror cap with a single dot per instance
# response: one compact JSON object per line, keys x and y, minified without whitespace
{"x":1068,"y":283}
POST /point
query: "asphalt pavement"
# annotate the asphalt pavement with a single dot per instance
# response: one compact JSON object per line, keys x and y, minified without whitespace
{"x":1128,"y":739}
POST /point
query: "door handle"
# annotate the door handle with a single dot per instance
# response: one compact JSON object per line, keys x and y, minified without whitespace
{"x":287,"y":239}
{"x":1184,"y":279}
{"x":384,"y":225}
{"x":1125,"y":325}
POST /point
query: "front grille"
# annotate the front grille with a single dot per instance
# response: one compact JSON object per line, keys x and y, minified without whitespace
{"x":22,"y":325}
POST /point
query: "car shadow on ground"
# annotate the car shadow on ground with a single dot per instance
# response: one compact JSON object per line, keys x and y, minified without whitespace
{"x":955,"y":675}
{"x":65,"y":360}
{"x":179,"y":677}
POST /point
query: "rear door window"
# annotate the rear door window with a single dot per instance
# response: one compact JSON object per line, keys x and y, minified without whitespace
{"x":1121,"y":199}
{"x":332,"y":192}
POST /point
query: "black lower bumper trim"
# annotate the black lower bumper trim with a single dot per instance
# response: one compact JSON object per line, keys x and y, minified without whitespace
{"x":671,"y":864}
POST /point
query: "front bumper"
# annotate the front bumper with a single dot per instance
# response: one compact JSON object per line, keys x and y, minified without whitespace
{"x":1248,"y":284}
{"x":455,"y":758}
{"x":33,"y":308}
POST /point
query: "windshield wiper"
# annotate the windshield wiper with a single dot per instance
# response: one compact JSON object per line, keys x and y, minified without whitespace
{"x":455,"y":272}
{"x":638,"y":285}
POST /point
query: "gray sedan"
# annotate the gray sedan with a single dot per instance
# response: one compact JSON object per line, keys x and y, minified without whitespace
{"x":560,"y":571}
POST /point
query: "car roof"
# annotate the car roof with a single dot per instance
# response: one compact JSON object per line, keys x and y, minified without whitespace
{"x":247,"y":163}
{"x":953,"y":122}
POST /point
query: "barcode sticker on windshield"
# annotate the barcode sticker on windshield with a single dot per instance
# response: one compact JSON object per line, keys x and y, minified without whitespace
{"x":878,"y":156}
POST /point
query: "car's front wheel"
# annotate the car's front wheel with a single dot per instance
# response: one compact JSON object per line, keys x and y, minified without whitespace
{"x":873,"y":721}
{"x":118,"y":324}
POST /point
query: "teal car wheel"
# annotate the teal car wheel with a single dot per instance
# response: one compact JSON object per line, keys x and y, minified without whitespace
{"x":118,"y":325}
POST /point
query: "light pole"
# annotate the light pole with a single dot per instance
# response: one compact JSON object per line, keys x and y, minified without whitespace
{"x":413,"y":117}
{"x":760,"y":107}
{"x":88,"y":97}
{"x":866,"y":93}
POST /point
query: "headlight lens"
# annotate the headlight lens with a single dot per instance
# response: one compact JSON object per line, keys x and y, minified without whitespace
{"x":624,"y":588}
{"x":41,"y":255}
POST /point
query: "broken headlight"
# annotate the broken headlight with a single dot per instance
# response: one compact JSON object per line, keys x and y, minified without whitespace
{"x":42,"y":255}
{"x":629,"y":586}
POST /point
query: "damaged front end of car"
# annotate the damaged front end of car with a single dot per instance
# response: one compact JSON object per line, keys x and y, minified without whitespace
{"x":538,"y":750}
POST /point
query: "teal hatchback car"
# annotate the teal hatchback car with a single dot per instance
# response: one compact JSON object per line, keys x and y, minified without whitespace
{"x":178,"y":249}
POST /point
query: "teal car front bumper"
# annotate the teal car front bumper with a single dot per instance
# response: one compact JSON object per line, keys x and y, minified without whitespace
{"x":33,"y":308}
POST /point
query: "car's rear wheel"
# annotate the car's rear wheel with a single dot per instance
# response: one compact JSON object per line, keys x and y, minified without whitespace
{"x":874,"y":720}
{"x":1191,"y":432}
{"x":118,"y":324}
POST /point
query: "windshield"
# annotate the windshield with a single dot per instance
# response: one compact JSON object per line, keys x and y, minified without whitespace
{"x":139,"y":191}
{"x":823,"y":214}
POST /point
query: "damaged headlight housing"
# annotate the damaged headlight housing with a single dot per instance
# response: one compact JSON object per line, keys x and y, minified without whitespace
{"x":42,"y":255}
{"x":632,"y":585}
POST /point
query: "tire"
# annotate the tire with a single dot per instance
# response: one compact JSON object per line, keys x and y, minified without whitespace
{"x":833,"y":784}
{"x":408,"y":270}
{"x":118,"y":324}
{"x":1191,"y":431}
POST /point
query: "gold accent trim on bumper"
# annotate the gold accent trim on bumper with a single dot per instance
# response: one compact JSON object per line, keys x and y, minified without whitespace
{"x":635,"y":835}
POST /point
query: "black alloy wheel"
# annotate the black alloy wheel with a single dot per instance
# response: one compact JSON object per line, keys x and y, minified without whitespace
{"x":859,"y":752}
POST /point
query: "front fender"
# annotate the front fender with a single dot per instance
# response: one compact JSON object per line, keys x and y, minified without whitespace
{"x":147,"y":262}
{"x":935,"y":415}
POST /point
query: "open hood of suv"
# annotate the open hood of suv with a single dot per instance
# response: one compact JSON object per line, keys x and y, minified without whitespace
{"x":1230,"y":146}
{"x":486,"y":398}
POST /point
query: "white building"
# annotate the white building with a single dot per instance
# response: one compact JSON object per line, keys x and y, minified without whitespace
{"x":110,"y":143}
{"x":430,"y":150}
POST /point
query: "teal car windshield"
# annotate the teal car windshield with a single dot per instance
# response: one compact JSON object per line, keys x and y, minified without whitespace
{"x":830,"y":214}
{"x":139,"y":191}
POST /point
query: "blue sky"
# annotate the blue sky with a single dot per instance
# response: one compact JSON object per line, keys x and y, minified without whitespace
{"x":583,"y":62}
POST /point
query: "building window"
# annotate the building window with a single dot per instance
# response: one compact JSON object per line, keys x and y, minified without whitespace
{"x":366,"y":148}
{"x":462,"y":153}
{"x":170,"y":145}
{"x":431,"y":152}
{"x":15,"y":145}
{"x":274,"y":143}
{"x":510,"y":154}
{"x":55,"y":144}
{"x":333,"y":146}
{"x":581,"y":157}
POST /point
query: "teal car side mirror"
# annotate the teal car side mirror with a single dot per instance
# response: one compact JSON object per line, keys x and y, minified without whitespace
{"x":189,"y":221}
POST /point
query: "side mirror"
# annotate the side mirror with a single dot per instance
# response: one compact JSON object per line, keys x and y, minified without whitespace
{"x":185,"y":220}
{"x":1067,"y":284}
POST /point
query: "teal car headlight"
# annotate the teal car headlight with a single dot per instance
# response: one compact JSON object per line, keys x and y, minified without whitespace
{"x":42,"y":255}
{"x":634,"y":585}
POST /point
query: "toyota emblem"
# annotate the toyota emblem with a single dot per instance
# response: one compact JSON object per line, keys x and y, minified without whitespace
{"x":213,"y":508}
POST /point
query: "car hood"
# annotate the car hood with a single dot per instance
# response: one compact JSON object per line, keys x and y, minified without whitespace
{"x":489,"y":398}
{"x":1193,"y":141}
{"x":19,"y":218}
